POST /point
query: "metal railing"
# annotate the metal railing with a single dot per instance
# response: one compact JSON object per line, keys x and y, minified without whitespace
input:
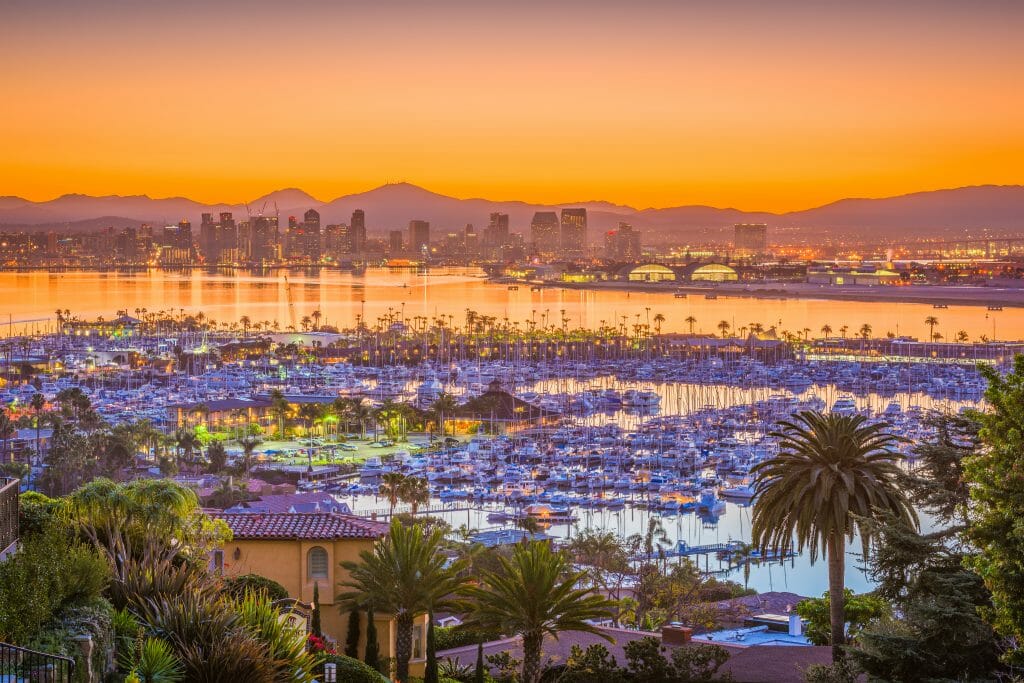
{"x":8,"y":513}
{"x":19,"y":664}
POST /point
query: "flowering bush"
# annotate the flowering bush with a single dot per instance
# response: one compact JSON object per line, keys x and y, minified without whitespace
{"x":318,"y":644}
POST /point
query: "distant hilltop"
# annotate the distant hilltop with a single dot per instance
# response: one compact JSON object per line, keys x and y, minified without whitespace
{"x":996,"y":207}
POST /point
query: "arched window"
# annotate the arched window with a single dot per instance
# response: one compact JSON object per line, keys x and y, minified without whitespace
{"x":316,"y":562}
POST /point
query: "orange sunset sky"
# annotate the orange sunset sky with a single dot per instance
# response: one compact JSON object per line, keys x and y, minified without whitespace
{"x":758,"y":105}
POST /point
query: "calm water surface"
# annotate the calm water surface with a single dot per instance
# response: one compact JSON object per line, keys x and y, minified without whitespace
{"x":286,"y":296}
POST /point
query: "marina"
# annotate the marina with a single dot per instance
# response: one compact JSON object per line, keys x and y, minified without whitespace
{"x":554,"y":441}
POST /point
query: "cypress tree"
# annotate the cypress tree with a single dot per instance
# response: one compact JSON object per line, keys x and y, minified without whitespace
{"x":352,"y":639}
{"x":478,"y":676}
{"x":372,"y":655}
{"x":430,"y":673}
{"x":314,"y":625}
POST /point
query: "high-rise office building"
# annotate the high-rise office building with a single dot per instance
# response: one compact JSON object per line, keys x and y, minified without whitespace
{"x":310,"y":244}
{"x":357,"y":232}
{"x":573,"y":236}
{"x":471,"y":241}
{"x":263,"y":238}
{"x":227,"y":233}
{"x":209,"y":238}
{"x":419,"y":236}
{"x":395,"y":243}
{"x":622,"y":244}
{"x":750,"y":238}
{"x":544,"y":232}
{"x":496,"y":235}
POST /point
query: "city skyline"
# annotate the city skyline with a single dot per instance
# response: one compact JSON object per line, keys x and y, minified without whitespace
{"x":652,"y":105}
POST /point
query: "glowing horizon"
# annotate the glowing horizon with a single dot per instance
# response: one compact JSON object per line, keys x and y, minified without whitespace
{"x":738,"y":104}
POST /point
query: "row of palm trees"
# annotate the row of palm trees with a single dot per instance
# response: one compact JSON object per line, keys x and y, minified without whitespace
{"x":533,"y":592}
{"x":400,"y":488}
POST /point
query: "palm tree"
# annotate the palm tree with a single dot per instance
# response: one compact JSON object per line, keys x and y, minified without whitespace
{"x":280,"y":406}
{"x":534,"y":593}
{"x":38,"y":402}
{"x":659,"y":319}
{"x":843,"y":330}
{"x":961,"y":336}
{"x":415,"y":491}
{"x":931,"y":321}
{"x":360,"y":413}
{"x":724,"y":326}
{"x":7,"y":430}
{"x":741,"y":554}
{"x":249,"y":442}
{"x":865,"y":331}
{"x":826,"y":330}
{"x":444,"y":405}
{"x":833,"y":475}
{"x":691,"y":321}
{"x":407,"y":575}
{"x":391,"y":484}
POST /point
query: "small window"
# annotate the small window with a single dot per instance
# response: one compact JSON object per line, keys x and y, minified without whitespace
{"x":218,"y":561}
{"x":317,"y":561}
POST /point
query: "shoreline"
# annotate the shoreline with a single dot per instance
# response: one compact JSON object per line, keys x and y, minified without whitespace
{"x":942,"y":295}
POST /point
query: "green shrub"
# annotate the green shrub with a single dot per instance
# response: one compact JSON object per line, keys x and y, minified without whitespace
{"x":353,"y":671}
{"x":448,"y":637}
{"x":238,"y":586}
{"x":36,"y":512}
{"x":47,"y":574}
{"x":57,"y":636}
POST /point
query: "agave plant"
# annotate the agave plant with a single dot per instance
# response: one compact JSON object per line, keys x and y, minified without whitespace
{"x":153,"y":661}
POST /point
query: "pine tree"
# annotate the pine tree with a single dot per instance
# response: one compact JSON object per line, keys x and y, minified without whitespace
{"x":352,"y":639}
{"x":372,"y":654}
{"x":430,"y":673}
{"x":996,"y":484}
{"x":314,"y":625}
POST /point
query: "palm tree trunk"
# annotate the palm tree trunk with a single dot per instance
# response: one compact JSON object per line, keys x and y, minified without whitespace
{"x":403,"y":646}
{"x":531,"y":656}
{"x":836,"y":593}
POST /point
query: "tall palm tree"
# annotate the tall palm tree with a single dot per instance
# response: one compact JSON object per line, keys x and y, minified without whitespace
{"x":416,"y":492}
{"x":724,"y":326}
{"x":249,"y":442}
{"x":833,"y":474}
{"x":691,"y":321}
{"x":826,"y":330}
{"x":659,"y":320}
{"x":407,"y":575}
{"x":38,"y":403}
{"x":534,"y":593}
{"x":391,"y":484}
{"x":7,"y":430}
{"x":445,"y":404}
{"x":280,"y":407}
{"x":361,"y":413}
{"x":931,"y":321}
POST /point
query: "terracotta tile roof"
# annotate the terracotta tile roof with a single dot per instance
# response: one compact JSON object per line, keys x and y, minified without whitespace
{"x":285,"y":526}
